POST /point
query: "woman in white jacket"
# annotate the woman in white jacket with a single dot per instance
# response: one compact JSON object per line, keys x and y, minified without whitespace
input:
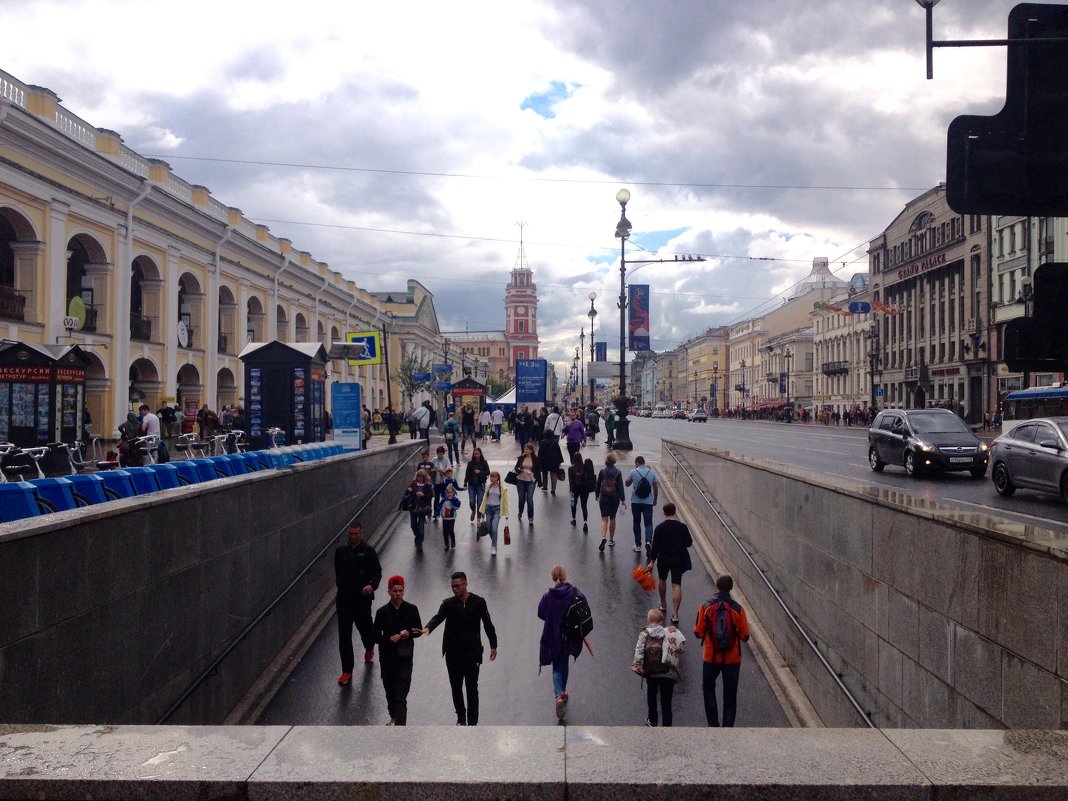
{"x":656,"y":659}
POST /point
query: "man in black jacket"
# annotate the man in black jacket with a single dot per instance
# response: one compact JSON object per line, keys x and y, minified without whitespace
{"x":396,"y":625}
{"x":463,"y":614}
{"x":358,"y":574}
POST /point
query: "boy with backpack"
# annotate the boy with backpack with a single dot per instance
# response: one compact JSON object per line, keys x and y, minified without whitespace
{"x":656,"y":659}
{"x":722,"y":624}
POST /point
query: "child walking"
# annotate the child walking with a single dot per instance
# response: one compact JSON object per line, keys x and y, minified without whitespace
{"x":656,"y":659}
{"x":447,"y":512}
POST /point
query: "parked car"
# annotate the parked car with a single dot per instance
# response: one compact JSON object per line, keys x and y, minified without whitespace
{"x":1032,"y":455}
{"x":680,"y":414}
{"x":925,"y":439}
{"x":699,"y":416}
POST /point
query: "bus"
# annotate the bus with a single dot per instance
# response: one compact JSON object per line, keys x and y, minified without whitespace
{"x":1026,"y":404}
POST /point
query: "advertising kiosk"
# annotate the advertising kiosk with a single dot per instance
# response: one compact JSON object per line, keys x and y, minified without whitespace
{"x":42,"y":393}
{"x":285,"y":387}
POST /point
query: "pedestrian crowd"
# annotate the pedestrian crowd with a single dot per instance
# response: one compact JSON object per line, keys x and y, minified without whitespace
{"x":436,"y":496}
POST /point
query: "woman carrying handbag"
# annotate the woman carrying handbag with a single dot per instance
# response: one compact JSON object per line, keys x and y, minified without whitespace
{"x":494,"y":507}
{"x":526,"y":471}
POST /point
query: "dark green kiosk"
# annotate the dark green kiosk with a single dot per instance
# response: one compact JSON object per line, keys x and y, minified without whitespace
{"x":285,"y":387}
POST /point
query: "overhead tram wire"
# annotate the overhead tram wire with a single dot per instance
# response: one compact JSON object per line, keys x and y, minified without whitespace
{"x":534,"y":179}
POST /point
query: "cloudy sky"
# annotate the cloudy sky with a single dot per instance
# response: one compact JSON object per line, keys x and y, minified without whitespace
{"x":407,"y":139}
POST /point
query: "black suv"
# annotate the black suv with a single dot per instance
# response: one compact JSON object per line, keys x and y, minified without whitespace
{"x":925,"y":439}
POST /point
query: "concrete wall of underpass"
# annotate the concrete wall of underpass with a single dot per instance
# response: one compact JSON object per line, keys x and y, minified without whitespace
{"x":110,"y":612}
{"x":933,"y":618}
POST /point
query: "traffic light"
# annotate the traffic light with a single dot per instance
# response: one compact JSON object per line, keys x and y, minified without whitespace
{"x":1039,"y":342}
{"x":1016,"y":162}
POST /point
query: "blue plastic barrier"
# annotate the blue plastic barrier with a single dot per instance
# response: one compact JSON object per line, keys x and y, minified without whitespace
{"x":117,"y":484}
{"x":223,"y":466}
{"x":88,"y":486}
{"x":252,"y":462}
{"x":55,"y":492}
{"x":205,"y":467}
{"x":144,"y":480}
{"x":187,"y":472}
{"x":17,"y":501}
{"x":237,"y":464}
{"x":266,"y":463}
{"x":166,"y":475}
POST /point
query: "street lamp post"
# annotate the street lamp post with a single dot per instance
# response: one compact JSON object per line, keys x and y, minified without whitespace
{"x":1027,"y":291}
{"x":715,"y":387}
{"x":581,"y":352}
{"x":622,"y":441}
{"x":743,"y":389}
{"x":393,"y":423}
{"x":592,"y":313}
{"x":873,"y":361}
{"x":445,"y":395}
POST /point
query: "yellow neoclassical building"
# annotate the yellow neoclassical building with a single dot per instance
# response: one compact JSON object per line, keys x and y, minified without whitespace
{"x":157,"y":281}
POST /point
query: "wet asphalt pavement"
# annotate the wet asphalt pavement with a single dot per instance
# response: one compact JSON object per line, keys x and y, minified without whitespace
{"x":602,"y":689}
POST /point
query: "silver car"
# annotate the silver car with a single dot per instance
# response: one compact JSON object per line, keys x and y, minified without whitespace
{"x":1032,"y":455}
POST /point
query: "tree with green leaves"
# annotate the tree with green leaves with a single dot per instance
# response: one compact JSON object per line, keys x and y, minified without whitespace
{"x":409,"y":366}
{"x":496,"y":387}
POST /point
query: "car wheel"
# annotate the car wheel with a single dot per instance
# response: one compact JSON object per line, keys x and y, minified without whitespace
{"x":873,"y":459}
{"x":911,"y":468}
{"x":978,"y":472}
{"x":1002,"y":483}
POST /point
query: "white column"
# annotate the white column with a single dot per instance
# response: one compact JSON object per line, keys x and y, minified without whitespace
{"x":169,"y":321}
{"x":56,"y":302}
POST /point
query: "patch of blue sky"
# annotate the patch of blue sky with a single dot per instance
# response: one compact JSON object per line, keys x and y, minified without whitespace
{"x":541,"y":103}
{"x":652,"y":241}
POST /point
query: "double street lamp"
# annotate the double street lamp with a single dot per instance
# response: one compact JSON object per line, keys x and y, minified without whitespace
{"x":582,"y":371}
{"x":623,"y":228}
{"x":593,"y":381}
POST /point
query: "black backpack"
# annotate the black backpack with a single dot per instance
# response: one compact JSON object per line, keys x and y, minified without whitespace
{"x":578,"y":620}
{"x":653,"y":663}
{"x":720,"y":625}
{"x":643,"y":487}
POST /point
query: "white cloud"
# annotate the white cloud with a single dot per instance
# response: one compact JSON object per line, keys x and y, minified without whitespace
{"x":722,"y":118}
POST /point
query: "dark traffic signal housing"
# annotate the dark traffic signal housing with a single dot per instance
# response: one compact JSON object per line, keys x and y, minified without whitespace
{"x":1039,"y":342}
{"x":1016,"y":162}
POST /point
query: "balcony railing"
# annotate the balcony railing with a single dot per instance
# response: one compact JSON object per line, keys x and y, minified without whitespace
{"x":834,"y":368}
{"x":140,"y":327}
{"x":12,"y":304}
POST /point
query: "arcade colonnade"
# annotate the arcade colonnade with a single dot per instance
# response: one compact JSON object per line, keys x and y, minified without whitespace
{"x":158,"y":281}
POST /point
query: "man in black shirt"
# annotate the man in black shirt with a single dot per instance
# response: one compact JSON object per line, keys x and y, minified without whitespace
{"x":670,"y":552}
{"x":396,"y":625}
{"x":358,"y":574}
{"x":463,"y":614}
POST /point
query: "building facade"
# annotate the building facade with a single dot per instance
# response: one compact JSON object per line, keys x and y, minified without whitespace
{"x":928,"y":268}
{"x":158,"y":282}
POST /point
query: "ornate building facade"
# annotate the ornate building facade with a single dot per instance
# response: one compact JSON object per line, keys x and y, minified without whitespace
{"x":170,"y":283}
{"x":928,"y":267}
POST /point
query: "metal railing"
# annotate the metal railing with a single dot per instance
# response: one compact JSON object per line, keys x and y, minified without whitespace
{"x":213,"y":668}
{"x":705,"y":495}
{"x":12,"y":304}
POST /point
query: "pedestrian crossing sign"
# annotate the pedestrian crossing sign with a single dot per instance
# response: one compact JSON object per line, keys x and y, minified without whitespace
{"x":367,"y":348}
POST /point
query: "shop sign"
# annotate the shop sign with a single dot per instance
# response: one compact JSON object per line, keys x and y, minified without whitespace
{"x":918,"y":267}
{"x":22,"y":374}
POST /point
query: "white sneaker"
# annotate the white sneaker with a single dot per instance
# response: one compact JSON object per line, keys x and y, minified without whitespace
{"x":493,"y":551}
{"x":636,"y":549}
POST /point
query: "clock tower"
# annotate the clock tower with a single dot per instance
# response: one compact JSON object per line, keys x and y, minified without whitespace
{"x":521,"y":309}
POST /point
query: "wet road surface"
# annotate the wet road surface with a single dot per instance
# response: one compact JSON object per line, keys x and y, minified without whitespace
{"x":602,"y":689}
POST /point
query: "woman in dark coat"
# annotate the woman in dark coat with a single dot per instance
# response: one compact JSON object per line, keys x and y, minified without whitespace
{"x":550,"y":458}
{"x":555,"y":648}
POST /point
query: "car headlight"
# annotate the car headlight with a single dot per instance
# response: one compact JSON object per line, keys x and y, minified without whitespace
{"x":926,"y":447}
{"x":983,"y":447}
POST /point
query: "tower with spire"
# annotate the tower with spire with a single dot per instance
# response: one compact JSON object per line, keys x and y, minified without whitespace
{"x":521,"y":308}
